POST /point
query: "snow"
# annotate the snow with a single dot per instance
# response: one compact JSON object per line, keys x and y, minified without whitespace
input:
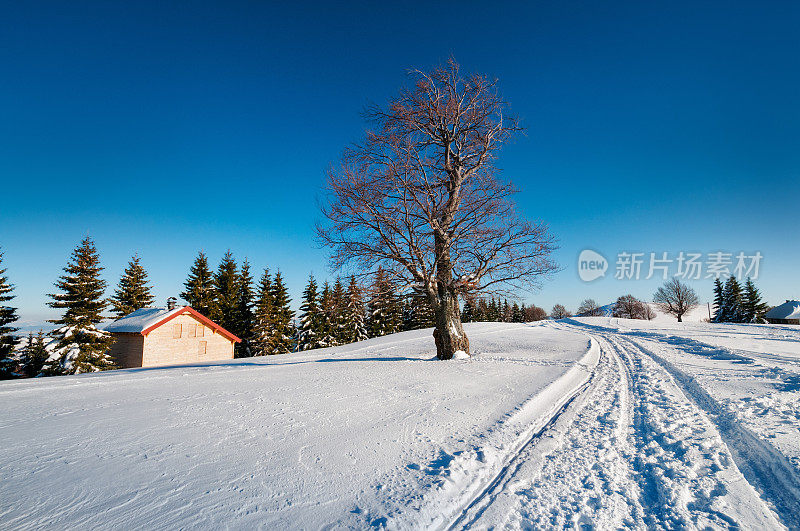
{"x":343,"y":435}
{"x":584,"y":422}
{"x":140,"y":319}
{"x":743,"y":380}
{"x":460,"y":355}
{"x":787,"y":310}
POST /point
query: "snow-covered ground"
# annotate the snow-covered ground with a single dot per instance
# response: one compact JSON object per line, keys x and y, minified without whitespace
{"x":582,"y":422}
{"x":348,"y":435}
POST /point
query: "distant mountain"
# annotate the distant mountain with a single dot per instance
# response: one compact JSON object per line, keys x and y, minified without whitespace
{"x":26,"y":327}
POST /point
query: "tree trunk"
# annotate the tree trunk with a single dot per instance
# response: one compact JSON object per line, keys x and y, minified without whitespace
{"x":449,"y":334}
{"x":679,"y":317}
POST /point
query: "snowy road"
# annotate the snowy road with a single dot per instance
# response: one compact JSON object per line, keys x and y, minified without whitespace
{"x":644,"y":445}
{"x":593,"y":422}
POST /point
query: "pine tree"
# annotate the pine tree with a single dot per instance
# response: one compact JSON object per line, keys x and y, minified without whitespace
{"x":33,"y":356}
{"x":426,"y":315}
{"x":753,"y":307}
{"x":393,"y":307}
{"x":8,"y":316}
{"x":310,"y":332}
{"x":262,"y":323}
{"x":354,"y":313}
{"x":732,"y":302}
{"x":517,"y":315}
{"x":482,"y":311}
{"x":493,"y":313}
{"x":468,"y":311}
{"x":418,"y":313}
{"x":408,"y":321}
{"x":338,"y":317}
{"x":244,"y":311}
{"x":282,"y":316}
{"x":226,"y":289}
{"x":78,"y":345}
{"x":328,"y":323}
{"x":132,"y":292}
{"x":385,"y":314}
{"x":719,"y":300}
{"x":199,"y":292}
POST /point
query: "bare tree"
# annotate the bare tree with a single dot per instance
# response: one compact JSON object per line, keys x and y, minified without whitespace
{"x":647,"y":312}
{"x":534,"y":313}
{"x":675,"y":298}
{"x":421,"y":197}
{"x":629,"y":307}
{"x":589,"y":308}
{"x":559,"y":312}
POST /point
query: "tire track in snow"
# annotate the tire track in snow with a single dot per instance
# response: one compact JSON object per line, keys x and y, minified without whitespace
{"x":489,"y":493}
{"x":710,"y":350}
{"x":663,"y":440}
{"x":686,"y":472}
{"x":574,"y":474}
{"x":761,"y":464}
{"x":473,"y":473}
{"x":673,"y":469}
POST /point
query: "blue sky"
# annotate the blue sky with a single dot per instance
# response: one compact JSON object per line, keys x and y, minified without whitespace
{"x":163,"y":128}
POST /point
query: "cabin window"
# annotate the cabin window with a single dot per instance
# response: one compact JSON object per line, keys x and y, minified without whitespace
{"x":176,"y":331}
{"x":192,"y":330}
{"x":201,"y":349}
{"x":200,"y":330}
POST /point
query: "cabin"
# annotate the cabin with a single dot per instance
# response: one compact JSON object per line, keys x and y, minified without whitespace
{"x":786,"y":313}
{"x":151,"y":337}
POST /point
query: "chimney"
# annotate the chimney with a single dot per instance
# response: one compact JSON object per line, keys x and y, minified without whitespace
{"x":171,"y":303}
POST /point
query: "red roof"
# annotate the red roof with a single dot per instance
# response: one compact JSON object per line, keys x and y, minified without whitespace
{"x":197,"y":315}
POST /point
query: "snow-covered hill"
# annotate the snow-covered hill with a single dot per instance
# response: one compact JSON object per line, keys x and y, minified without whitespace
{"x":582,"y":422}
{"x":697,"y":315}
{"x":345,"y":435}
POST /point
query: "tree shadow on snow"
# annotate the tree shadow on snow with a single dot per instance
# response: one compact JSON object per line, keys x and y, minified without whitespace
{"x":265,"y":363}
